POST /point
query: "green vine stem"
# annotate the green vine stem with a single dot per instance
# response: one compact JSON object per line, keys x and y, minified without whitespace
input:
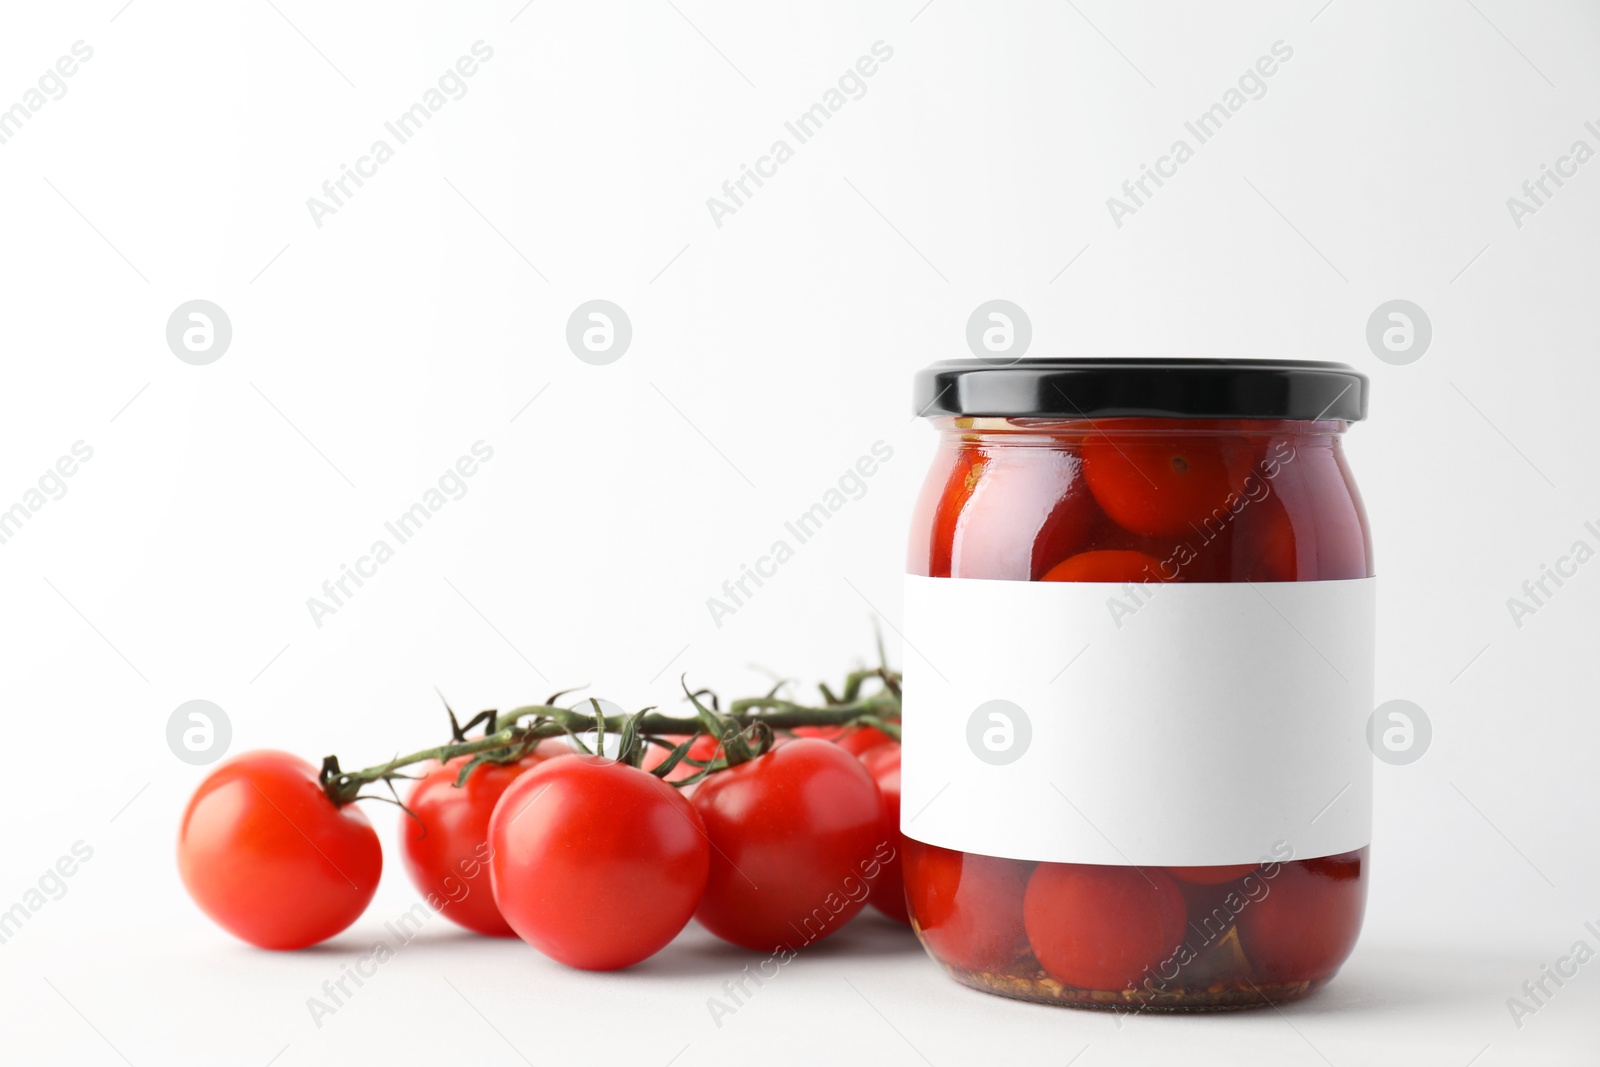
{"x":745,"y":728}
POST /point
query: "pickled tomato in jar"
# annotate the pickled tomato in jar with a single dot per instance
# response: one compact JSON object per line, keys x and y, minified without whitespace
{"x":1139,"y":622}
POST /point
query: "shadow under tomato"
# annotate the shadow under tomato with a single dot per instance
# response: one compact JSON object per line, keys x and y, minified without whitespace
{"x":359,"y":939}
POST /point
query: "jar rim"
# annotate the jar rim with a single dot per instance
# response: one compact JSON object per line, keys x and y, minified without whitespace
{"x":1292,"y":389}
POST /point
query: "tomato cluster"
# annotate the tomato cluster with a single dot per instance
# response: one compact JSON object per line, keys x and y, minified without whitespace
{"x":595,"y":862}
{"x":1139,"y":500}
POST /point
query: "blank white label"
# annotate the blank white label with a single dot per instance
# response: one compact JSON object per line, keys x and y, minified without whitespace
{"x":1188,"y":724}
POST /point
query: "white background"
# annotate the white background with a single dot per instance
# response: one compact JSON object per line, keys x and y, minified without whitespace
{"x":768,"y":354}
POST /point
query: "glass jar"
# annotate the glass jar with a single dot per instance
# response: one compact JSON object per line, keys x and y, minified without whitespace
{"x":1139,"y":629}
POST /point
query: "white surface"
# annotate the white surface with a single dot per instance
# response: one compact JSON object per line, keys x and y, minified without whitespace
{"x":1212,"y":723}
{"x":768,"y":355}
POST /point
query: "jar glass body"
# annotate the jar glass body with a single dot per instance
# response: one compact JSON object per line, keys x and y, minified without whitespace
{"x":1133,"y":500}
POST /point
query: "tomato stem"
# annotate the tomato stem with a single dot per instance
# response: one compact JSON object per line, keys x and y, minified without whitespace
{"x":745,"y":729}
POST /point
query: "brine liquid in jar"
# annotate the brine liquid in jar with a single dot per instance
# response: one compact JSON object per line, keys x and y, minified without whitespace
{"x":1139,"y":621}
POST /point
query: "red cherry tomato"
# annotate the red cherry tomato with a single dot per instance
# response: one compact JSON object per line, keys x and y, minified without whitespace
{"x":551,"y":747}
{"x":1327,"y":537}
{"x":1163,"y":484}
{"x":798,"y":844}
{"x":270,"y":858}
{"x":1211,"y":875}
{"x":595,"y":863}
{"x":967,"y":908}
{"x":821,"y":733}
{"x":1306,"y":925}
{"x":1026,"y":509}
{"x":704,"y":748}
{"x":1101,"y":928}
{"x":447,"y":843}
{"x":1107,"y":565}
{"x":864,"y":739}
{"x":966,"y":467}
{"x":889,"y":890}
{"x":856,"y":740}
{"x":1264,"y":544}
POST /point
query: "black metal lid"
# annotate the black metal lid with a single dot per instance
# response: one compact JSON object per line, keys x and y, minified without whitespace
{"x":1147,"y":388}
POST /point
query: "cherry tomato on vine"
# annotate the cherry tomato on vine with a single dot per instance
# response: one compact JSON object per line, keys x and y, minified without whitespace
{"x":1102,"y":928}
{"x":704,"y":748}
{"x":968,"y":908}
{"x":798,"y":842}
{"x":856,"y":740}
{"x":269,"y":858}
{"x":889,"y":888}
{"x":551,"y":747}
{"x":1308,"y":922}
{"x":864,"y":739}
{"x":595,"y":863}
{"x":446,"y":841}
{"x":1107,"y":565}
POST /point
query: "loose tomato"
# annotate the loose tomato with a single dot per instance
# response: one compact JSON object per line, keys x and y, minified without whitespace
{"x":1107,"y":565}
{"x":798,"y":842}
{"x":967,"y":908}
{"x":1102,"y":928}
{"x":447,"y":841}
{"x":889,"y":890}
{"x":270,"y":858}
{"x":1306,"y":925}
{"x":595,"y":863}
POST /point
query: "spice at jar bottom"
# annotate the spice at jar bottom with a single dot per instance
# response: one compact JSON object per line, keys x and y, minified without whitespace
{"x":1140,"y":615}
